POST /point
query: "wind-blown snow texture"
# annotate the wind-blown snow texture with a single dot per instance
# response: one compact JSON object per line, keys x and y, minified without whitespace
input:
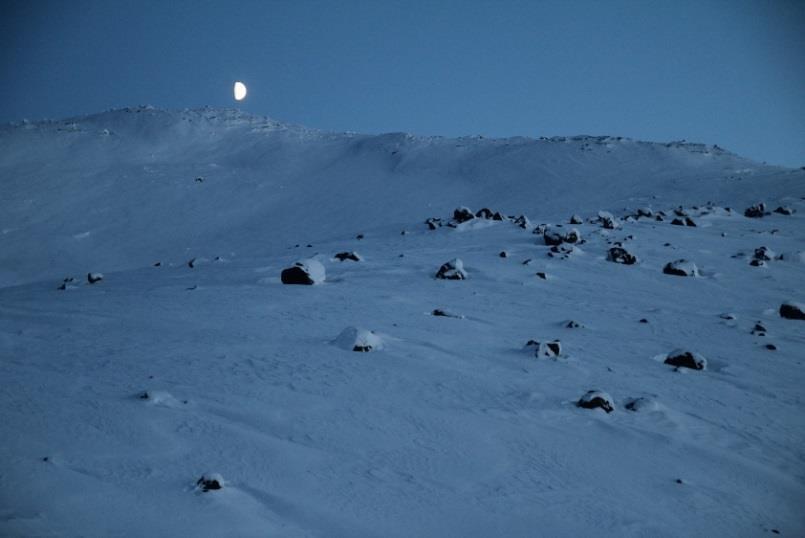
{"x":118,"y":396}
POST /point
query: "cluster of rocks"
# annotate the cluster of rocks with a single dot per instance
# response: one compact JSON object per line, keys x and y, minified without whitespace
{"x":71,"y":282}
{"x":463,"y":214}
{"x":761,"y":256}
{"x":555,"y":237}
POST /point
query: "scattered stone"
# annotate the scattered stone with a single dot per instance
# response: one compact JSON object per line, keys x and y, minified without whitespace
{"x":645,"y":212}
{"x":686,"y":359}
{"x":67,"y":283}
{"x":542,"y":275}
{"x":771,"y":347}
{"x":433,"y":223}
{"x":550,"y":350}
{"x":358,"y":237}
{"x":573,"y":325}
{"x":607,"y":220}
{"x":445,"y":313}
{"x":360,"y":340}
{"x":679,"y":481}
{"x":621,"y":255}
{"x":757,"y":263}
{"x":681,"y":268}
{"x":641,"y":404}
{"x":199,"y":179}
{"x":192,"y":263}
{"x":728,"y":316}
{"x":573,"y":236}
{"x":343,"y":256}
{"x":680,"y":212}
{"x":643,"y":320}
{"x":756,"y":211}
{"x":527,"y":261}
{"x":687,"y":221}
{"x":595,"y":399}
{"x":785,"y":210}
{"x":486,"y":213}
{"x":157,"y":264}
{"x":539,"y":229}
{"x":452,"y":270}
{"x":210,"y":482}
{"x":523,"y":222}
{"x":553,"y":237}
{"x":792,"y":310}
{"x":92,"y":278}
{"x":503,"y":254}
{"x":764,"y":254}
{"x":575,"y":219}
{"x":759,"y":329}
{"x":462,"y":214}
{"x":306,"y":272}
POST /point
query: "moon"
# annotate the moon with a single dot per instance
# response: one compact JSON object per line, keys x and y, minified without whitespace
{"x":240,"y":91}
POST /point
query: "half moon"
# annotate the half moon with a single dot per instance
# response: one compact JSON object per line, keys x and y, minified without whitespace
{"x":240,"y":91}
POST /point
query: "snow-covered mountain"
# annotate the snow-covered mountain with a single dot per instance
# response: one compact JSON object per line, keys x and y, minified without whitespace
{"x":190,"y":356}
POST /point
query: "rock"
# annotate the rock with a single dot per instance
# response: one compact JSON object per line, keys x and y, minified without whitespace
{"x":759,"y":329}
{"x":784,"y":210}
{"x":92,"y":278}
{"x":621,"y":255}
{"x":433,"y":223}
{"x":503,"y":254}
{"x":791,"y":310}
{"x":643,"y":320}
{"x":539,"y":229}
{"x":763,"y":254}
{"x":728,"y":316}
{"x":343,"y":256}
{"x":358,"y":237}
{"x":550,"y":350}
{"x":573,"y":325}
{"x":594,"y":399}
{"x":67,"y":283}
{"x":607,"y":220}
{"x":573,"y":236}
{"x":575,"y":219}
{"x":445,"y":313}
{"x":553,"y":237}
{"x":462,"y":214}
{"x":306,"y":272}
{"x":756,"y":211}
{"x":680,"y":212}
{"x":771,"y":347}
{"x":360,"y":340}
{"x":542,"y":275}
{"x":645,"y":212}
{"x":523,"y":222}
{"x":641,"y":405}
{"x":486,"y":213}
{"x":452,"y":270}
{"x":687,"y":221}
{"x":681,"y":268}
{"x":686,"y":359}
{"x":210,"y":482}
{"x":757,"y":263}
{"x":157,"y":264}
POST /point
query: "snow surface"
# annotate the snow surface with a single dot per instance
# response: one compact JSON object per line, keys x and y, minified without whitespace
{"x":451,"y":430}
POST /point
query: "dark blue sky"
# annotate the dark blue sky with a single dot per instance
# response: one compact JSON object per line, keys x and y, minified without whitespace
{"x":730,"y":72}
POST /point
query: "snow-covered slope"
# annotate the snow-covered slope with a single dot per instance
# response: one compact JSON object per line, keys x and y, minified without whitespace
{"x":118,"y":396}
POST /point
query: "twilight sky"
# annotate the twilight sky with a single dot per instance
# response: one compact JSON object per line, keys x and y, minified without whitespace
{"x":730,"y":72}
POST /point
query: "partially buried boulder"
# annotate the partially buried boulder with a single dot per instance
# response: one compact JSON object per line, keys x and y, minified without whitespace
{"x":621,"y":255}
{"x":791,"y":310}
{"x":353,"y":256}
{"x":756,"y":211}
{"x":210,"y":482}
{"x":681,"y":268}
{"x":686,"y":359}
{"x":452,"y":270}
{"x":594,"y":399}
{"x":784,"y":210}
{"x":361,"y":340}
{"x":546,"y":349}
{"x":306,"y":272}
{"x":462,"y":214}
{"x":93,"y":278}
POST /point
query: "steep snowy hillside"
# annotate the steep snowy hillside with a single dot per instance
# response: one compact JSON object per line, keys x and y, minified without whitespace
{"x":188,"y":391}
{"x":118,"y":189}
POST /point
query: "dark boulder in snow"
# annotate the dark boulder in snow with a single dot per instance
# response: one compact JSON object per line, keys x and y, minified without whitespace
{"x":645,"y":212}
{"x":756,"y":211}
{"x":759,"y":329}
{"x":92,"y":278}
{"x":306,"y":272}
{"x":763,"y":254}
{"x":621,"y":255}
{"x":594,"y":399}
{"x":553,"y":237}
{"x":687,"y":221}
{"x":360,"y":340}
{"x":343,"y":256}
{"x":445,"y":313}
{"x":791,"y":310}
{"x":573,"y":325}
{"x":607,"y":220}
{"x":462,"y":214}
{"x":486,"y":213}
{"x":542,"y":275}
{"x":784,"y":210}
{"x":523,"y":222}
{"x":573,"y":236}
{"x":686,"y":359}
{"x":210,"y":482}
{"x":433,"y":223}
{"x":681,"y":268}
{"x":546,"y":349}
{"x":503,"y":254}
{"x":452,"y":270}
{"x":575,"y":219}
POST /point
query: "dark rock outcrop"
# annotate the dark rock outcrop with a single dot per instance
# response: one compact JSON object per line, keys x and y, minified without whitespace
{"x":792,"y":311}
{"x":686,"y":359}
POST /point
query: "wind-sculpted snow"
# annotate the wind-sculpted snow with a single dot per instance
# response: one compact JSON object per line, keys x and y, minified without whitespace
{"x":546,"y":392}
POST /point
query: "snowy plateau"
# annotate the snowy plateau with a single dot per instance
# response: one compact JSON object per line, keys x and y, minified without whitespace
{"x":628,"y":373}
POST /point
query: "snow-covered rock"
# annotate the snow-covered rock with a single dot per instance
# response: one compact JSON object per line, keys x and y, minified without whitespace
{"x":93,"y":278}
{"x":452,"y":270}
{"x":343,"y":256}
{"x":210,"y":482}
{"x":308,"y":272}
{"x":681,"y":267}
{"x":755,"y":211}
{"x":686,"y":359}
{"x":595,"y":399}
{"x":361,"y":340}
{"x":544,"y":349}
{"x":621,"y":255}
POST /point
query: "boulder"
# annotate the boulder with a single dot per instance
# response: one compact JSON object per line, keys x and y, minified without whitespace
{"x":433,"y":223}
{"x":594,"y":399}
{"x":546,"y":349}
{"x":573,"y":236}
{"x":553,"y":237}
{"x":621,"y":255}
{"x":343,"y":256}
{"x":784,"y":210}
{"x":686,"y":359}
{"x":681,"y":268}
{"x":462,"y":214}
{"x":607,"y":220}
{"x":503,"y":254}
{"x":306,"y":272}
{"x":645,"y":212}
{"x":93,"y":278}
{"x":763,"y":254}
{"x":360,"y":340}
{"x":452,"y":270}
{"x":791,"y":310}
{"x":210,"y":482}
{"x":575,"y":219}
{"x":446,"y":314}
{"x":523,"y":222}
{"x":756,"y":211}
